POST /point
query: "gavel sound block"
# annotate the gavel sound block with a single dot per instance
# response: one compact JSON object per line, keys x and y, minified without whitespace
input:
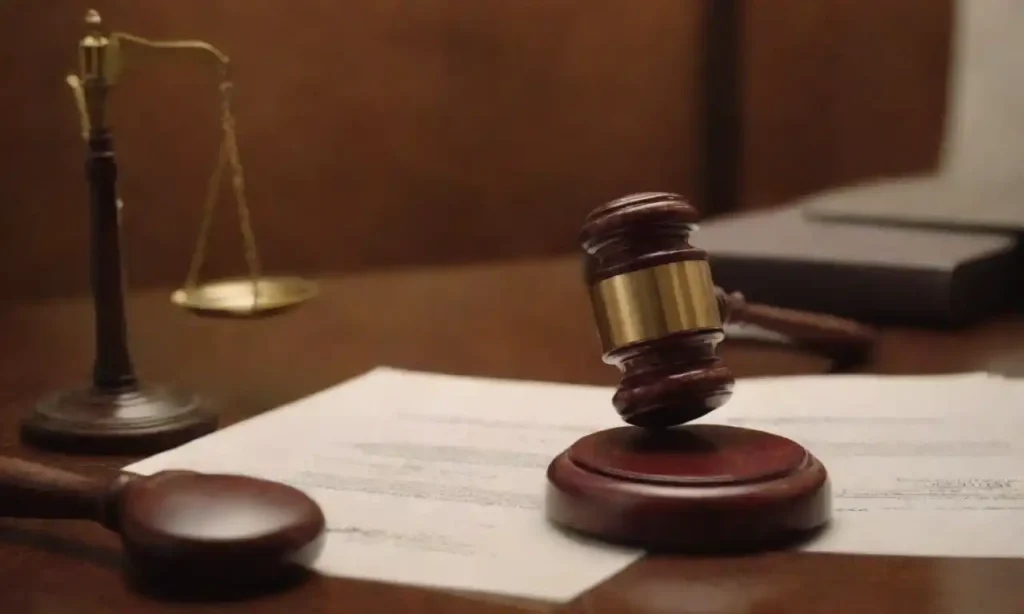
{"x":660,"y":483}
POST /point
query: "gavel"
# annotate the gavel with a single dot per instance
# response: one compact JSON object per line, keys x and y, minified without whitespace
{"x":187,"y":527}
{"x":660,"y":482}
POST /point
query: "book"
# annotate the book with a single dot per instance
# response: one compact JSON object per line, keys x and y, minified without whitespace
{"x":874,"y":273}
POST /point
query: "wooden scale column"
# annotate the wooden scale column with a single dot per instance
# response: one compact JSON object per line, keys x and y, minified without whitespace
{"x":117,"y":412}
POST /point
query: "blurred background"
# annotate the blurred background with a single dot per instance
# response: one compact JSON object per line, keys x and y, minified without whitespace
{"x":392,"y":133}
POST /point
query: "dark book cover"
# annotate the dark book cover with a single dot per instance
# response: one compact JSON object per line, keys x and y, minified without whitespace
{"x":874,"y":273}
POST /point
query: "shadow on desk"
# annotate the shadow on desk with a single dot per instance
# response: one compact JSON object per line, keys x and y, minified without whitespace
{"x":93,"y":575}
{"x":101,"y":555}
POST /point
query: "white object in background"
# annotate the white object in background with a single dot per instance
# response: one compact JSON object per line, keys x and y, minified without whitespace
{"x":984,"y":124}
{"x":979,"y":182}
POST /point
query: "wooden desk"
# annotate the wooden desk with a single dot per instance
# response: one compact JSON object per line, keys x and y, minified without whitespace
{"x":526,"y":320}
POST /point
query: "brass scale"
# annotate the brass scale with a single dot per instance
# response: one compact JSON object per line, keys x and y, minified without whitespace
{"x":249,"y":295}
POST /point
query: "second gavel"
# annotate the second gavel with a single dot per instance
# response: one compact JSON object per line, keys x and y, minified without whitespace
{"x":182,"y":528}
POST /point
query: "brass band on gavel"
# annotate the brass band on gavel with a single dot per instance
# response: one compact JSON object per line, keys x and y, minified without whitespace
{"x":653,"y":302}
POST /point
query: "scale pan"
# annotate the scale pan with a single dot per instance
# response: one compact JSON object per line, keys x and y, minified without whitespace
{"x":234,"y":296}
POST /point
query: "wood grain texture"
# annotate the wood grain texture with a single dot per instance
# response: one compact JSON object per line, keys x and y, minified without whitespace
{"x":506,"y":120}
{"x":837,"y":91}
{"x":667,"y":379}
{"x":208,"y":531}
{"x":112,"y":369}
{"x":638,"y":231}
{"x":373,"y":133}
{"x":183,"y":528}
{"x":841,"y":339}
{"x":33,"y":490}
{"x":134,"y":420}
{"x":703,"y":488}
{"x":693,"y":488}
{"x":472,"y":320}
{"x":112,"y":408}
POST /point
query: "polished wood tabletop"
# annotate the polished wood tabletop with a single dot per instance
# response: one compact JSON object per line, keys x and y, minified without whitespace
{"x":521,"y":320}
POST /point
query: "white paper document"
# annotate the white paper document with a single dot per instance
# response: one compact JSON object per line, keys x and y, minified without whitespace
{"x":438,"y":480}
{"x":919,"y":465}
{"x":426,"y":479}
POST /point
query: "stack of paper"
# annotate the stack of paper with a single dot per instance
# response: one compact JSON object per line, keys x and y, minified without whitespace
{"x":438,"y":480}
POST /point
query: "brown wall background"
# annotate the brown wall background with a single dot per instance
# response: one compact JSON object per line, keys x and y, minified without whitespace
{"x":389,"y":132}
{"x":841,"y":90}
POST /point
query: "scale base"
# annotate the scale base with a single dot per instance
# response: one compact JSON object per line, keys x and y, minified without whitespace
{"x":134,"y":421}
{"x":696,"y":488}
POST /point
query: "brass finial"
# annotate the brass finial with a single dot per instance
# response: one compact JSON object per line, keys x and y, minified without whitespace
{"x":92,"y":19}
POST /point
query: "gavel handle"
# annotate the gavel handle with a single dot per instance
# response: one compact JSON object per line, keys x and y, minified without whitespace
{"x":32,"y":490}
{"x":839,"y":338}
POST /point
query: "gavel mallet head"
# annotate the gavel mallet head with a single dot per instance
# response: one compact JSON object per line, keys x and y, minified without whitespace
{"x":660,"y":483}
{"x":182,"y":530}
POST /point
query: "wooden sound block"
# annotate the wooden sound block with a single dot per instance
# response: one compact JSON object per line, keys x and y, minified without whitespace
{"x":700,"y":488}
{"x":134,"y":421}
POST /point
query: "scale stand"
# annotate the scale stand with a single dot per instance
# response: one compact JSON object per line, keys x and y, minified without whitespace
{"x":118,"y":413}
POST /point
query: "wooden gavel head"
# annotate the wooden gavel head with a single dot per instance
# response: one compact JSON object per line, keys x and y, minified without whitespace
{"x":702,"y":487}
{"x":185,"y":528}
{"x":656,"y":308}
{"x":200,"y":526}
